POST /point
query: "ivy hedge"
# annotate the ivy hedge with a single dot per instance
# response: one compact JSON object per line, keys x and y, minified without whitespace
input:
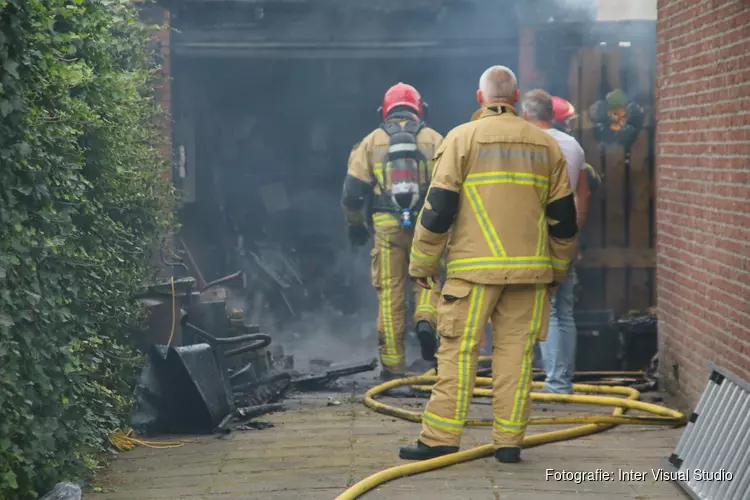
{"x":82,"y":203}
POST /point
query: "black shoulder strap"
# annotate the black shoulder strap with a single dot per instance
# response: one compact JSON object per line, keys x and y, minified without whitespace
{"x":413,"y":127}
{"x":391,"y":128}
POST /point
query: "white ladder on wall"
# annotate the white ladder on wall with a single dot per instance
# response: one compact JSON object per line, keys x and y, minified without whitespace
{"x":712,"y":458}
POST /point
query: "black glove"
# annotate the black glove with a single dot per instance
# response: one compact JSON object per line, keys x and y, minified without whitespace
{"x":358,"y":235}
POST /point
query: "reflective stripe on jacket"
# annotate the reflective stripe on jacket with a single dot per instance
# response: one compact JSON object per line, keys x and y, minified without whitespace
{"x":497,"y":180}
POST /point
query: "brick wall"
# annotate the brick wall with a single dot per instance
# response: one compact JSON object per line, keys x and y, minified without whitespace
{"x":164,"y":92}
{"x":161,"y":47}
{"x":157,"y":15}
{"x":703,"y":190}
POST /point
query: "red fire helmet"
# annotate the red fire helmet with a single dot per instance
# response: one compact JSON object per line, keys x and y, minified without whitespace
{"x":562,"y":110}
{"x":402,"y":94}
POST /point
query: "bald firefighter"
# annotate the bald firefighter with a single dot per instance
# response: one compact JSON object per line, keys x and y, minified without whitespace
{"x":501,"y":201}
{"x":387,"y":179}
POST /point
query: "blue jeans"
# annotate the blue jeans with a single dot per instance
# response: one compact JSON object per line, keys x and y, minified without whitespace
{"x":559,"y":350}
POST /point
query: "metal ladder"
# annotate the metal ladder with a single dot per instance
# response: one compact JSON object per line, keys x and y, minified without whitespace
{"x":712,"y":458}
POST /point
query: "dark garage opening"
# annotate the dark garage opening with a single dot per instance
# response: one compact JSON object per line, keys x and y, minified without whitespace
{"x":263,"y":129}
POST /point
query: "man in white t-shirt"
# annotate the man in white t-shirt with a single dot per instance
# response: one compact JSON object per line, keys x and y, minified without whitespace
{"x":558,"y":351}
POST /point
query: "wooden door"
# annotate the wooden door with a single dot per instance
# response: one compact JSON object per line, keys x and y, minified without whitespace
{"x":618,"y":259}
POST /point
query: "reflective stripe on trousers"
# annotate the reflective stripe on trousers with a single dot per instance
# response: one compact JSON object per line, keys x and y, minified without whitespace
{"x":426,"y":305}
{"x":519,"y":315}
{"x":390,"y":267}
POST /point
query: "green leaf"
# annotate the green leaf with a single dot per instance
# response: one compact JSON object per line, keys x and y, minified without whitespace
{"x":11,"y":67}
{"x":6,"y":108}
{"x":10,"y":479}
{"x":5,"y":320}
{"x":82,"y":201}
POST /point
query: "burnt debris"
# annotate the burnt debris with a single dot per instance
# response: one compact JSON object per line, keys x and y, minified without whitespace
{"x":219,"y":372}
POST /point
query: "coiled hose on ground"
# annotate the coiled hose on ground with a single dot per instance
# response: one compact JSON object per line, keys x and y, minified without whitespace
{"x":590,"y":424}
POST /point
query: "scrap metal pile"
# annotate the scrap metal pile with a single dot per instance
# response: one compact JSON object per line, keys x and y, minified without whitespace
{"x":225,"y":372}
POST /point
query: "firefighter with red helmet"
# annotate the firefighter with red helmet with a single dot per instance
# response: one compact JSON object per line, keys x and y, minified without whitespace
{"x":564,"y":115}
{"x":386,"y":183}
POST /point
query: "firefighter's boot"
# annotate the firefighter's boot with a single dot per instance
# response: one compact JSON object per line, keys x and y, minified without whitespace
{"x":508,"y":454}
{"x":388,"y":375}
{"x":427,"y":340}
{"x":421,"y":451}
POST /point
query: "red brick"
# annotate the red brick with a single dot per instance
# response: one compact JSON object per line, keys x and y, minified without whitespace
{"x":710,"y":123}
{"x":713,"y":148}
{"x":690,"y":328}
{"x":707,"y":165}
{"x":697,"y":19}
{"x":700,"y":293}
{"x":734,"y":191}
{"x":703,"y":97}
{"x":703,"y":190}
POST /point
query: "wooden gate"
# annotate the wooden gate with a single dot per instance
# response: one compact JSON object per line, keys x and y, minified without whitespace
{"x":618,"y":257}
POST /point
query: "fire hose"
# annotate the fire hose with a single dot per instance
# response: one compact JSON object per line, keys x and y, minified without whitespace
{"x":583,"y":394}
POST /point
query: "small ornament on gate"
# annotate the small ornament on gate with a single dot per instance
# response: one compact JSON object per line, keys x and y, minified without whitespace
{"x":617,"y":120}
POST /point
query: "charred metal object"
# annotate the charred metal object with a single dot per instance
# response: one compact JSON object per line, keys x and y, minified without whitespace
{"x":638,"y":340}
{"x":190,"y":387}
{"x":259,"y":390}
{"x":176,"y":263}
{"x":267,"y":390}
{"x":238,"y":277}
{"x":321,"y":381}
{"x":246,"y":413}
{"x":258,"y":340}
{"x":199,"y":396}
{"x":158,"y":301}
{"x":184,"y":290}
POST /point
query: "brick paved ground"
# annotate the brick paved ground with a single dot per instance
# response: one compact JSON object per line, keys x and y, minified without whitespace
{"x":315,"y":451}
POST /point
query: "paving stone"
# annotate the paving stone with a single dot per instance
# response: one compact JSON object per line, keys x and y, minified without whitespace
{"x":315,"y":452}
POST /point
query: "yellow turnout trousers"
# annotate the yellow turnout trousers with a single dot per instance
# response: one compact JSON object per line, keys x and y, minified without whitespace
{"x":390,"y":273}
{"x":520,"y":316}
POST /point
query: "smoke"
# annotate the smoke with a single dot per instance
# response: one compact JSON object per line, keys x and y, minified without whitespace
{"x":272,"y":96}
{"x":539,"y":12}
{"x":343,"y":327}
{"x":338,"y":339}
{"x":579,"y":6}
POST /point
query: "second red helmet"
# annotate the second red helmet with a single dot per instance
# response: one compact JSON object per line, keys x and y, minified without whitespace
{"x":562,"y":109}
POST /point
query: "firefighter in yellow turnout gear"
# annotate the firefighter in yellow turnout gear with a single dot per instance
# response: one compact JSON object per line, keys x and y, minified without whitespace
{"x":388,"y":173}
{"x":501,"y":201}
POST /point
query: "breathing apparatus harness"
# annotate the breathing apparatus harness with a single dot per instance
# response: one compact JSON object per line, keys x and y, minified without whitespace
{"x":400,"y":190}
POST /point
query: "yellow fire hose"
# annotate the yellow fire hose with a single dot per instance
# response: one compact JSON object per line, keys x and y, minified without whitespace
{"x":590,"y":424}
